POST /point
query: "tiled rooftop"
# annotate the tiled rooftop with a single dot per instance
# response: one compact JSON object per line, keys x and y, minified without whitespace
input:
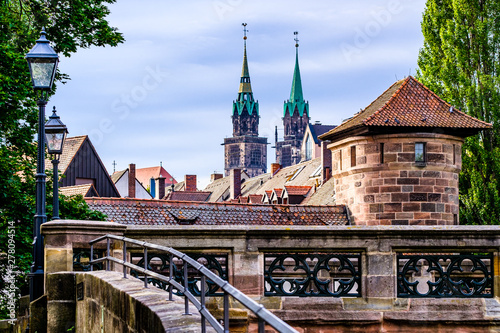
{"x":188,"y":196}
{"x":160,"y":212}
{"x":408,"y":103}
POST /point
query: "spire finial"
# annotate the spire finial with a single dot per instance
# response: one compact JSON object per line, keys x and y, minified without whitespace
{"x":244,"y":31}
{"x":296,"y":39}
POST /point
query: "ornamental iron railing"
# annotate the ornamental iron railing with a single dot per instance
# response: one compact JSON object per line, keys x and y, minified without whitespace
{"x":262,"y":314}
{"x":81,"y":259}
{"x":312,"y":274}
{"x":160,"y":263}
{"x":445,"y":275}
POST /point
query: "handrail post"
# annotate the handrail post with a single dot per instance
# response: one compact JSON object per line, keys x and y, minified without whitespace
{"x":145,"y":266}
{"x":226,"y":312}
{"x":186,"y":290}
{"x":124,"y":259}
{"x":262,"y":326}
{"x":171,"y":276}
{"x":108,"y":262}
{"x":91,"y":256}
{"x":202,"y":301}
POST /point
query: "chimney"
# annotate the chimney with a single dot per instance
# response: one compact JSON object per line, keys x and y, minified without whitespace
{"x":326,"y":161}
{"x":131,"y":180}
{"x":190,"y":183}
{"x":274,"y":168}
{"x":215,"y":176}
{"x":161,"y":187}
{"x":234,"y":183}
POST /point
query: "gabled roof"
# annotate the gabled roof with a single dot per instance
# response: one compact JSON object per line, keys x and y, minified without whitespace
{"x":255,"y":198}
{"x":144,"y":175}
{"x":408,"y":106}
{"x":197,"y":196}
{"x":79,"y":159}
{"x":161,"y":212}
{"x":117,"y":175}
{"x":85,"y":190}
{"x":70,"y":148}
{"x":317,"y":130}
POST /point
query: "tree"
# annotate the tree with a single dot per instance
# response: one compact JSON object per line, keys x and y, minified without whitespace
{"x":460,"y":62}
{"x":70,"y":24}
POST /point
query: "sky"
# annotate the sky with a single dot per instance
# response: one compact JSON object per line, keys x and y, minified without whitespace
{"x":165,"y":95}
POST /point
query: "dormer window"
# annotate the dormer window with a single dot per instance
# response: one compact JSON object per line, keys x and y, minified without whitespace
{"x":420,"y":152}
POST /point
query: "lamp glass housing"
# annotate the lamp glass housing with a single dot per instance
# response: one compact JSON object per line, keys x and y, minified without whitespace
{"x":55,"y":141}
{"x":43,"y":72}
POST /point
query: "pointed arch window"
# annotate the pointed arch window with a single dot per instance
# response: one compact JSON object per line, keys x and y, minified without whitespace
{"x":308,"y":148}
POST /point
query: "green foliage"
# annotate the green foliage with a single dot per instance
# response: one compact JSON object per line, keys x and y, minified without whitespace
{"x":70,"y":24}
{"x":460,"y":62}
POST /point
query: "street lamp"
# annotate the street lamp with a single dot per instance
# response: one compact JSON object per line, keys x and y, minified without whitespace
{"x":42,"y":61}
{"x":55,"y":133}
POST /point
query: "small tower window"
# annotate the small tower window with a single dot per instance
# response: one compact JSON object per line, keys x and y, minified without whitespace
{"x":381,"y":153}
{"x":454,"y":154}
{"x":340,"y":159}
{"x":420,"y":152}
{"x":353,"y":156}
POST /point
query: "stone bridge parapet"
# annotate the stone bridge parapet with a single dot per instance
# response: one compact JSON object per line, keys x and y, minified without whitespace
{"x":380,"y":299}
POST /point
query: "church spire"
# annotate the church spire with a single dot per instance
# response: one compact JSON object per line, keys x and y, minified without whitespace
{"x":296,"y":101}
{"x":245,"y":102}
{"x":296,"y":93}
{"x":245,"y":86}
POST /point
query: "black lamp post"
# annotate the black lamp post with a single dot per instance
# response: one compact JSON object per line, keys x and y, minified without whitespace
{"x":42,"y":61}
{"x":55,"y":133}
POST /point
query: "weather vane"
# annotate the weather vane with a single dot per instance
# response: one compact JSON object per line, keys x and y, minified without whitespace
{"x":244,"y":30}
{"x":296,"y":39}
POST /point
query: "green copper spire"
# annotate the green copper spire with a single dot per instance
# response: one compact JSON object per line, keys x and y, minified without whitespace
{"x":245,"y":86}
{"x":296,"y":97}
{"x":245,"y":99}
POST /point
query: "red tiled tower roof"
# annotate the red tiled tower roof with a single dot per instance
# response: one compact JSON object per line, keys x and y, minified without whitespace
{"x":408,"y":106}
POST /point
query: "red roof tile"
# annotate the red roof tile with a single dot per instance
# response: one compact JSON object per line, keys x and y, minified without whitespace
{"x":409,"y":104}
{"x":161,"y":212}
{"x":144,"y":175}
{"x":297,"y":190}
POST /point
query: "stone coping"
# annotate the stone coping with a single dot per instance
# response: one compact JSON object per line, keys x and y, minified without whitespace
{"x":61,"y":226}
{"x":479,"y":231}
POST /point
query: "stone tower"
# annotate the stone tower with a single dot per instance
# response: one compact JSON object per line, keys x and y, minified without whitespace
{"x":295,"y":119}
{"x":397,"y":161}
{"x":245,"y":150}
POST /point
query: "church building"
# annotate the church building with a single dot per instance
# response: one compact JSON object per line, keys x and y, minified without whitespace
{"x":295,"y":119}
{"x":245,"y":150}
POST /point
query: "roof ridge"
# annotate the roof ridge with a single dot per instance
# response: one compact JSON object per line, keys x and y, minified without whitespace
{"x":406,"y":80}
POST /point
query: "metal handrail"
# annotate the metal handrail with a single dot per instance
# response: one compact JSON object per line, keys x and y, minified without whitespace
{"x":264,"y":316}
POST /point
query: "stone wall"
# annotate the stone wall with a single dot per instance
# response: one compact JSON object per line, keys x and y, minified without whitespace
{"x":379,"y":180}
